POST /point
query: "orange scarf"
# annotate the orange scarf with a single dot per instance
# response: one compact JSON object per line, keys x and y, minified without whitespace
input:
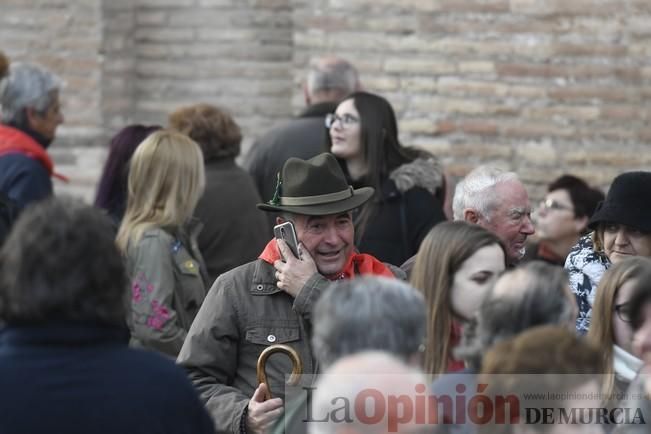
{"x":360,"y":262}
{"x":13,"y":140}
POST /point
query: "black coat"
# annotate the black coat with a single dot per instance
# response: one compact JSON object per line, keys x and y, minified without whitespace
{"x":84,"y":379}
{"x":235,"y":231}
{"x":405,"y":211}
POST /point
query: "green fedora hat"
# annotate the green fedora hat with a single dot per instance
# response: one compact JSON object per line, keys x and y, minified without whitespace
{"x":315,"y":187}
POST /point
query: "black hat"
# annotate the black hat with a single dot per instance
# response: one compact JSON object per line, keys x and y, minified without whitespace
{"x":628,"y":202}
{"x":316,"y":186}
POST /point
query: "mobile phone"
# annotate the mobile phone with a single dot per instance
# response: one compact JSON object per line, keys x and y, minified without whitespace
{"x":285,"y":231}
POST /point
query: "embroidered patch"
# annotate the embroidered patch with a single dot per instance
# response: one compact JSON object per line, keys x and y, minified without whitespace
{"x":155,"y":314}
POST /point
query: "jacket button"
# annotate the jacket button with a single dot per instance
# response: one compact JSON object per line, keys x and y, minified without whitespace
{"x":259,"y":287}
{"x":271,"y":338}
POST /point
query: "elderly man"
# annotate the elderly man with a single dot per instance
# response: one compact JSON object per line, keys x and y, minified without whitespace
{"x":64,"y":356}
{"x":341,"y":319}
{"x":496,"y":200}
{"x":269,"y":301}
{"x":396,"y":389}
{"x":29,"y":97}
{"x":329,"y":80}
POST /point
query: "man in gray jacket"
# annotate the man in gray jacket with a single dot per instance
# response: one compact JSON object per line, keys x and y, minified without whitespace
{"x":269,"y":301}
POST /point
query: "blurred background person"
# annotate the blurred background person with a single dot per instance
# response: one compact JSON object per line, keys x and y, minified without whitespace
{"x":549,"y":361}
{"x":561,"y":218}
{"x":329,"y":79}
{"x":234,"y":230}
{"x":638,"y":397}
{"x":611,"y":328}
{"x":409,"y":183}
{"x":112,"y":187}
{"x":622,"y":229}
{"x":64,"y":357}
{"x":341,"y":328}
{"x":158,"y":239}
{"x":31,"y":114}
{"x":455,"y":266}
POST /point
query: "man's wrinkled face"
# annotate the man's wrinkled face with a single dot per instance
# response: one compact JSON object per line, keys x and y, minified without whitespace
{"x":329,"y":239}
{"x":511,"y":218}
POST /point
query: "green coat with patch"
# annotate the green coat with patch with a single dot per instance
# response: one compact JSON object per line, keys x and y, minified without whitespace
{"x":168,"y":286}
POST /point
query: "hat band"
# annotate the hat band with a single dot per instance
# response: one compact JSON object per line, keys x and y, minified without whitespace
{"x":318,"y":199}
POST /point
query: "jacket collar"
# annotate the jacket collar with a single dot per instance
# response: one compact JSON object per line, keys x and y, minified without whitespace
{"x":319,"y":110}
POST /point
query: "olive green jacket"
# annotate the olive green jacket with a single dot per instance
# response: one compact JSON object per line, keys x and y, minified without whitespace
{"x":168,"y":285}
{"x":244,"y":312}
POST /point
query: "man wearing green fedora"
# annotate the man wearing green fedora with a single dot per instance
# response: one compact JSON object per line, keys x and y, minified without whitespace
{"x":269,"y":301}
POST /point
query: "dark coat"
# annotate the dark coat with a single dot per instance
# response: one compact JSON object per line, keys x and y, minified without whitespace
{"x":235,"y":231}
{"x":23,"y":179}
{"x":405,"y":212}
{"x":302,"y":137}
{"x":79,"y":379}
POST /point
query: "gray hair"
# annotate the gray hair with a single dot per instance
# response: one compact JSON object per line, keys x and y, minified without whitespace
{"x":26,"y":86}
{"x":368,"y":313}
{"x":533,"y":294}
{"x":329,"y":74}
{"x":477,"y":190}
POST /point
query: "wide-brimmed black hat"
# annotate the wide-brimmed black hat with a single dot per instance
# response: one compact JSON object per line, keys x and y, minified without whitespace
{"x":315,"y":187}
{"x":628,"y":202}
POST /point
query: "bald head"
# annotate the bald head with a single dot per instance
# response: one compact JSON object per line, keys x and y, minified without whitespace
{"x":379,"y":378}
{"x":330,"y":79}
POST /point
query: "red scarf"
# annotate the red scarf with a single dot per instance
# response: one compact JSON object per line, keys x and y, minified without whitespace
{"x":13,"y":140}
{"x":456,"y":331}
{"x":363,"y":263}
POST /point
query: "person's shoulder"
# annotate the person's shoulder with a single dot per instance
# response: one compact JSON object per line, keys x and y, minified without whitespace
{"x":425,"y":174}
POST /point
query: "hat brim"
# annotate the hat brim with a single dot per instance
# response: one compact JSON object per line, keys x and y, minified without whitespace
{"x":359,"y":197}
{"x":633,"y":218}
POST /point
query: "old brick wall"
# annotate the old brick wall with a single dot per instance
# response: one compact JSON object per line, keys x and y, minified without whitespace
{"x":540,"y":86}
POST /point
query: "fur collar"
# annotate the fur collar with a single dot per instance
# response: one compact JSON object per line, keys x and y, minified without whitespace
{"x":426,"y":173}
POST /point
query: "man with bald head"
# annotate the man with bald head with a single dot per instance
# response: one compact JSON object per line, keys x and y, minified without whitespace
{"x":496,"y":200}
{"x":329,"y":80}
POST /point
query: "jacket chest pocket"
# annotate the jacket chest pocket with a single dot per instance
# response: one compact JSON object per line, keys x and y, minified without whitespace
{"x":271,"y":335}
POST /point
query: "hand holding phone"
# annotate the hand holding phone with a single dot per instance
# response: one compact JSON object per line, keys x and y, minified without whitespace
{"x":286,"y":232}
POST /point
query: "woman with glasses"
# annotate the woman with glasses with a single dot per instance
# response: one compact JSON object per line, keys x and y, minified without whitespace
{"x":561,"y":218}
{"x":611,"y":328}
{"x":409,"y":183}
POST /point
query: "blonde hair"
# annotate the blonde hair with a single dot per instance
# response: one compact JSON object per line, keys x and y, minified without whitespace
{"x":601,"y":331}
{"x":166,"y":180}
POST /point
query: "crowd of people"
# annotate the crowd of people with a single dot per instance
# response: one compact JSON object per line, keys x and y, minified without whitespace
{"x":150,"y":310}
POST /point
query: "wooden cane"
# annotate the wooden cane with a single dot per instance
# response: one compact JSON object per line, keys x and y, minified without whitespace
{"x":297,"y":365}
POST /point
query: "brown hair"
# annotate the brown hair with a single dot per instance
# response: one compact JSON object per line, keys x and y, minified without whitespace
{"x":539,"y":359}
{"x":601,"y":327}
{"x":441,"y":254}
{"x":213,"y":129}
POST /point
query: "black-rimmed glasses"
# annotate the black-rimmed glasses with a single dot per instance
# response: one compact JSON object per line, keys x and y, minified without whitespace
{"x":345,"y":121}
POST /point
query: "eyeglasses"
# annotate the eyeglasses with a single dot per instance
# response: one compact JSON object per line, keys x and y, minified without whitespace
{"x":551,"y":204}
{"x":345,"y":121}
{"x":623,"y":311}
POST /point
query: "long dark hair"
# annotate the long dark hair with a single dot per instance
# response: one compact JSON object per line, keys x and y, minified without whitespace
{"x":112,"y":189}
{"x":382,"y":149}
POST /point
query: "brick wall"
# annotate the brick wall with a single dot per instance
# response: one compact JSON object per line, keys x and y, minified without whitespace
{"x":540,"y":86}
